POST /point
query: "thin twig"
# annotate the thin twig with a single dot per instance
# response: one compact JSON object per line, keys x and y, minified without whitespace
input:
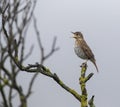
{"x":39,"y":40}
{"x":53,"y":49}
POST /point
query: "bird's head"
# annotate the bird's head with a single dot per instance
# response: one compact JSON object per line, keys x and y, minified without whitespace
{"x":77,"y":35}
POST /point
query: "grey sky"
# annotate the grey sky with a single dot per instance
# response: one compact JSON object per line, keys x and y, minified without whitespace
{"x":99,"y":21}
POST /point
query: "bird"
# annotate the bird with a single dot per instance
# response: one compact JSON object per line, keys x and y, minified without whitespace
{"x":82,"y":49}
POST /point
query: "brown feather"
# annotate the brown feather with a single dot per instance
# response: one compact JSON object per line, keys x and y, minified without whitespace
{"x":94,"y":62}
{"x":88,"y":54}
{"x":87,"y":50}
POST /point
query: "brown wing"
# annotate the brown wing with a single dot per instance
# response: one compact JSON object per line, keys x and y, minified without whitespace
{"x":87,"y":50}
{"x":88,"y":53}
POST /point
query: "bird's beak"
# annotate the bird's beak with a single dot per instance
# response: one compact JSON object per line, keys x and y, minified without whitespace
{"x":73,"y":35}
{"x":72,"y":32}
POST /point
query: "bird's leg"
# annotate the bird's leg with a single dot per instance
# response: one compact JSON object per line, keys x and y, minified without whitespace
{"x":86,"y":62}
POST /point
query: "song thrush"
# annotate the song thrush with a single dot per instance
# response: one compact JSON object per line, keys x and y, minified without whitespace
{"x":82,"y":50}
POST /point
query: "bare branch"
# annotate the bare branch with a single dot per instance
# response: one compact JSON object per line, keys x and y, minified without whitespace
{"x":31,"y":84}
{"x":39,"y":40}
{"x":4,"y":98}
{"x":13,"y":47}
{"x":53,"y":49}
{"x":3,"y":12}
{"x":29,"y":53}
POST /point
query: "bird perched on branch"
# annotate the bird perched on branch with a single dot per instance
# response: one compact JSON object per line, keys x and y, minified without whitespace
{"x":82,"y":50}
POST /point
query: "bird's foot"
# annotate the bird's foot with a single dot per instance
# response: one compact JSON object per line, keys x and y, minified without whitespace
{"x":84,"y":64}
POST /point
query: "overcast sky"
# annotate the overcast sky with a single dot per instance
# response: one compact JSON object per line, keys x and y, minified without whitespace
{"x":99,"y":21}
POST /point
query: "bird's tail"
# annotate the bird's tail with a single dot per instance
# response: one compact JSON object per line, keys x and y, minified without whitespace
{"x":94,"y":62}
